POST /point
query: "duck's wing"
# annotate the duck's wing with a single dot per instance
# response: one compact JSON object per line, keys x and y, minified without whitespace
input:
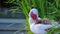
{"x":43,"y":26}
{"x":40,"y":28}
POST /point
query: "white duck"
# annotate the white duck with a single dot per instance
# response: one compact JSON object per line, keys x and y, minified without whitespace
{"x":37,"y":28}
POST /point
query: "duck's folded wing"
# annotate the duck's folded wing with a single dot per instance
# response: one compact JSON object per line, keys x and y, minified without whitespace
{"x":44,"y":26}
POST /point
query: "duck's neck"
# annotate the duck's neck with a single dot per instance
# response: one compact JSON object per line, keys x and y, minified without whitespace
{"x":31,"y":21}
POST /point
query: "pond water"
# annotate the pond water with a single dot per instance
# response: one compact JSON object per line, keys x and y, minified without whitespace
{"x":11,"y":29}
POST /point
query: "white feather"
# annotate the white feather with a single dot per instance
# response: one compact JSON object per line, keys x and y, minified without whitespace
{"x":38,"y":28}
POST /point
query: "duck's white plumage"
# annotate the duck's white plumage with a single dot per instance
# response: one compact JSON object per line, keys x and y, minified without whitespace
{"x":37,"y":28}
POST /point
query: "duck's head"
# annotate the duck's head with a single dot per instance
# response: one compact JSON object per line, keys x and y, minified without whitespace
{"x":33,"y":14}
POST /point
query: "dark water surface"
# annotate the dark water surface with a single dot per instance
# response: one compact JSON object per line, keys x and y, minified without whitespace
{"x":10,"y":26}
